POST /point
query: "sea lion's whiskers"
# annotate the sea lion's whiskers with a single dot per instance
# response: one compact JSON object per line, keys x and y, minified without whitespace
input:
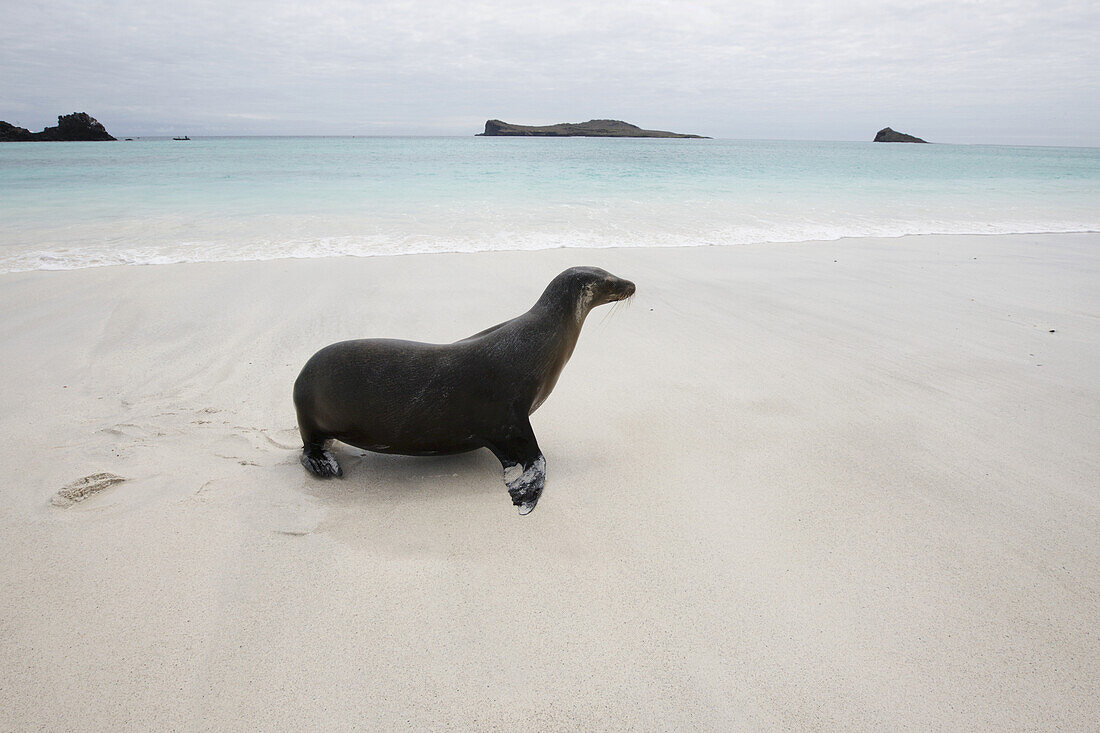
{"x":609,"y":311}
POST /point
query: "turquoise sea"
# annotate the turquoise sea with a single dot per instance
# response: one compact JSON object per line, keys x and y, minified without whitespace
{"x":72,"y":205}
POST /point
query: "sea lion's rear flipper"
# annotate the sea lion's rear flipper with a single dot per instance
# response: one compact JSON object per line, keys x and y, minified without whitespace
{"x":320,"y":462}
{"x":524,"y":466}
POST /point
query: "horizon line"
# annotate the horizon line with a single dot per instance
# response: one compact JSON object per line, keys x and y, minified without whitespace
{"x":121,"y":137}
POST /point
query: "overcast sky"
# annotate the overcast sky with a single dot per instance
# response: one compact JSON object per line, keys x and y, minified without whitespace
{"x":1017,"y":71}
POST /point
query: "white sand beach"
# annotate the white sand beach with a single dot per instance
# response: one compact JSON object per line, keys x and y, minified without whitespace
{"x":830,"y":485}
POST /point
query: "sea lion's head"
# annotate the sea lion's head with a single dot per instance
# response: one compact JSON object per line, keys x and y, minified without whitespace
{"x":591,"y":287}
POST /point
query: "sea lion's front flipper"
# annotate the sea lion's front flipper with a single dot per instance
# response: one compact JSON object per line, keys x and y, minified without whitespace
{"x":524,"y":466}
{"x":525,"y":483}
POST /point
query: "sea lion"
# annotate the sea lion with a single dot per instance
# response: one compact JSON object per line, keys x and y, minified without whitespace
{"x":418,"y":399}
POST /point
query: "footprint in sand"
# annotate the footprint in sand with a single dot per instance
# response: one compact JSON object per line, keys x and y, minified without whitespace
{"x":287,"y":436}
{"x":207,"y":414}
{"x":82,"y":488}
{"x":134,"y":432}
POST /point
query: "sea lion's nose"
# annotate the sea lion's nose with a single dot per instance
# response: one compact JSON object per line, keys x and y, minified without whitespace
{"x":629,"y":289}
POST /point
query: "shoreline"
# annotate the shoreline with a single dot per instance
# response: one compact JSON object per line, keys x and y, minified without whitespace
{"x":356,"y":256}
{"x":842,"y":484}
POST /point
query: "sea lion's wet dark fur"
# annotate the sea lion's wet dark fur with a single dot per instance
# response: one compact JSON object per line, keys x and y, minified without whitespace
{"x":420,"y":399}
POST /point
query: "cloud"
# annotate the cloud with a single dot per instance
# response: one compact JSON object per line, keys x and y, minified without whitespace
{"x":959,"y":71}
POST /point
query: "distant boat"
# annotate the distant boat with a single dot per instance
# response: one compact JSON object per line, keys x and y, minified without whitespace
{"x":181,"y":138}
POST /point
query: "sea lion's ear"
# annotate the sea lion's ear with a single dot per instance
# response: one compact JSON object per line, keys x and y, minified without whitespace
{"x":588,"y":295}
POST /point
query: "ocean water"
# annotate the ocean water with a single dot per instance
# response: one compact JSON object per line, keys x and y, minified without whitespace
{"x":151,"y":201}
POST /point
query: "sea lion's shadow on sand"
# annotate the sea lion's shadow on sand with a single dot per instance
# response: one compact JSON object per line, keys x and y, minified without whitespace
{"x":382,"y":479}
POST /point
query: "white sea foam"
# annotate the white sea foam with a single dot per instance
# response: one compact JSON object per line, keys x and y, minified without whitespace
{"x":376,"y":246}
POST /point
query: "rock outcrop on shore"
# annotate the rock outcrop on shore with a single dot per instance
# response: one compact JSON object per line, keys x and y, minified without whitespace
{"x":886,"y":135}
{"x":592,"y":128}
{"x":79,"y":126}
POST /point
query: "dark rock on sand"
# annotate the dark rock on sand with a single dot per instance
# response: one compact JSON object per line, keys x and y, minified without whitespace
{"x":592,"y":128}
{"x":886,"y":135}
{"x":79,"y":126}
